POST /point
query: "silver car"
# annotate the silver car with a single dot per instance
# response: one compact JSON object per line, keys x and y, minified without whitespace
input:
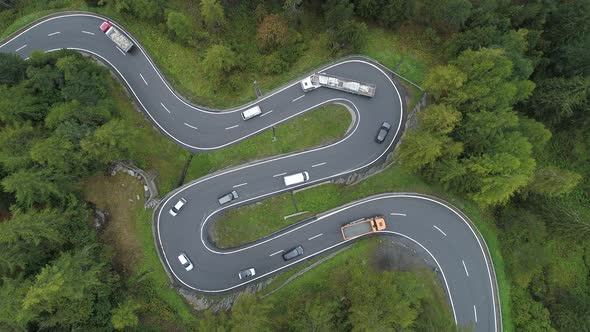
{"x":247,"y":273}
{"x":228,"y":197}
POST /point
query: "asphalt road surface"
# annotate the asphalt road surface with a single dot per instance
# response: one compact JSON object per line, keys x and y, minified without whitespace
{"x":441,"y":231}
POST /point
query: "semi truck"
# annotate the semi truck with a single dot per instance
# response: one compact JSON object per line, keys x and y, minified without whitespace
{"x":363,"y":226}
{"x":117,"y":37}
{"x":338,"y":83}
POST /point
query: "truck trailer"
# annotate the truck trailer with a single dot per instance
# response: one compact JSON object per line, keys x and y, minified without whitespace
{"x":117,"y":37}
{"x":338,"y":83}
{"x":364,"y":226}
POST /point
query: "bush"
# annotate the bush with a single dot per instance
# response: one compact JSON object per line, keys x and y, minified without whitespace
{"x":179,"y":25}
{"x":274,"y":64}
{"x":272,"y":33}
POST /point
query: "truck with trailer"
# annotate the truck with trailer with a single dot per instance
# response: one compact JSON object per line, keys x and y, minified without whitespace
{"x":363,"y":226}
{"x":116,"y":36}
{"x":338,"y":83}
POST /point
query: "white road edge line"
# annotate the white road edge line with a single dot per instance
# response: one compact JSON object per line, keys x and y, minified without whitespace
{"x":465,"y":267}
{"x":232,"y":127}
{"x":316,"y":165}
{"x":265,"y":113}
{"x":88,"y":32}
{"x":166,"y":108}
{"x":20,"y":48}
{"x":120,"y":50}
{"x":440,"y":230}
{"x":144,"y":81}
{"x":397,"y":214}
{"x":241,"y":184}
{"x":277,"y":175}
{"x":278,"y":252}
{"x":53,"y":33}
{"x":186,"y":124}
{"x":475,"y":312}
{"x":313,"y":237}
{"x":296,"y":99}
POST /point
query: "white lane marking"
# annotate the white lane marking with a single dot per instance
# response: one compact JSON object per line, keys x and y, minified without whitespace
{"x":440,"y":230}
{"x":144,"y":81}
{"x":20,"y":48}
{"x":316,"y":165}
{"x":297,"y":98}
{"x":88,"y":32}
{"x":53,"y":34}
{"x":277,"y":175}
{"x":475,"y":312}
{"x":265,"y":113}
{"x":120,"y":50}
{"x":232,"y":127}
{"x":278,"y":252}
{"x":186,"y":124}
{"x":397,"y":214}
{"x":465,"y":267}
{"x":166,"y":108}
{"x":241,"y":184}
{"x":313,"y":237}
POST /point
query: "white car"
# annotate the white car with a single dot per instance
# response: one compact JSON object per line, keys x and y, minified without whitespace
{"x":186,"y":263}
{"x":177,"y":207}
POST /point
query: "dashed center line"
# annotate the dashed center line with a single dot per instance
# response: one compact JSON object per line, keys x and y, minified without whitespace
{"x":475,"y":312}
{"x":166,"y":108}
{"x":298,"y":98}
{"x":277,"y":175}
{"x":88,"y":32}
{"x":241,"y":184}
{"x":313,"y":237}
{"x":232,"y":127}
{"x":278,"y":252}
{"x":144,"y":81}
{"x":440,"y":230}
{"x":397,"y":214}
{"x":316,"y":165}
{"x":265,"y":113}
{"x":20,"y":48}
{"x":53,"y":34}
{"x":186,"y":124}
{"x":465,"y":267}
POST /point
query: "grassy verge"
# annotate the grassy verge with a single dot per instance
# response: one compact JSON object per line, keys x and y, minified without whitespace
{"x":321,"y":279}
{"x":317,"y":127}
{"x":325,"y":197}
{"x":128,"y":232}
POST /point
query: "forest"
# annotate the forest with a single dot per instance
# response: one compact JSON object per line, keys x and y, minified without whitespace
{"x":507,"y":127}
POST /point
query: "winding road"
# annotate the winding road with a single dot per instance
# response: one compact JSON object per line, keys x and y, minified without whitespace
{"x":441,"y":231}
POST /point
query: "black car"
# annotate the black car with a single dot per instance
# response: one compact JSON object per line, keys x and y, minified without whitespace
{"x":382,"y":133}
{"x":297,"y":251}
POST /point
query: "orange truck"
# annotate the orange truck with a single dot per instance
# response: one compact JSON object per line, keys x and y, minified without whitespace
{"x":363,"y":226}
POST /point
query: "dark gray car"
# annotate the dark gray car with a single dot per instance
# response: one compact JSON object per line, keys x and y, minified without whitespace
{"x":228,"y":197}
{"x":297,"y":251}
{"x":382,"y":133}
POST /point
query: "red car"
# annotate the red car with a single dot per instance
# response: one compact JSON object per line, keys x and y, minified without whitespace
{"x":106,"y":25}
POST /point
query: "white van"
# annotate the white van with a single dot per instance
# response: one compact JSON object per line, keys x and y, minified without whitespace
{"x":296,"y":178}
{"x":251,"y":112}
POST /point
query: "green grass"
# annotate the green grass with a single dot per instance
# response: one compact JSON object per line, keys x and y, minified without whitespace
{"x":315,"y":128}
